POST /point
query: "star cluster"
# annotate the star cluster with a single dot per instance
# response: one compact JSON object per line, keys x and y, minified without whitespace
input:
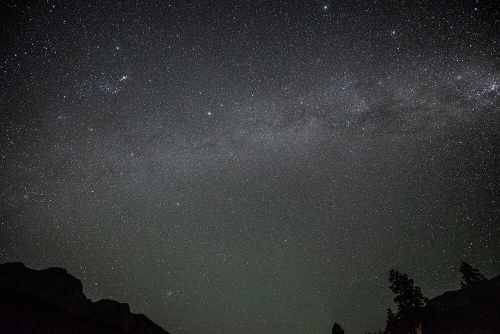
{"x":227,"y":167}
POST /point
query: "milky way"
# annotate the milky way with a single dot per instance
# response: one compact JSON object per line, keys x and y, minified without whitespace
{"x":251,"y":166}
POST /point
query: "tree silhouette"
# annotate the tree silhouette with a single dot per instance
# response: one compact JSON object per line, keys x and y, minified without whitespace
{"x":337,"y":329}
{"x":392,"y":322}
{"x":410,"y":303}
{"x":470,"y":276}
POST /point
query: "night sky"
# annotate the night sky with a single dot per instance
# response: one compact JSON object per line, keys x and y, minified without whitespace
{"x":251,"y":166}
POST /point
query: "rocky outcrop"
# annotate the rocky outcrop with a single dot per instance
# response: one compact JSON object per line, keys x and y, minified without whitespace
{"x":52,"y":301}
{"x":449,"y":301}
{"x":474,"y":309}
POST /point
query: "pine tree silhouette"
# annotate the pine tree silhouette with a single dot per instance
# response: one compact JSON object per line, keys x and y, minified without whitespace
{"x":337,"y":329}
{"x":410,"y":303}
{"x":470,"y":276}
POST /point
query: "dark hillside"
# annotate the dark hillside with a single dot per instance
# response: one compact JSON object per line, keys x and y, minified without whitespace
{"x":52,"y":301}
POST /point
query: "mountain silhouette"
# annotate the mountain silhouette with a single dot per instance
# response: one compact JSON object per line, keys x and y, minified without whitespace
{"x":52,"y":301}
{"x":472,"y":309}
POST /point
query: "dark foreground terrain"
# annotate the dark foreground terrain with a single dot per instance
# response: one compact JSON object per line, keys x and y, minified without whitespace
{"x":52,"y":301}
{"x":472,"y":309}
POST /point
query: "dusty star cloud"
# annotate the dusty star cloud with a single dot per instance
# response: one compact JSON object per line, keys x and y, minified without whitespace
{"x":227,"y":167}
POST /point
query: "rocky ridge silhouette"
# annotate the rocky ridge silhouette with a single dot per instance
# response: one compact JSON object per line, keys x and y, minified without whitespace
{"x":52,"y":301}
